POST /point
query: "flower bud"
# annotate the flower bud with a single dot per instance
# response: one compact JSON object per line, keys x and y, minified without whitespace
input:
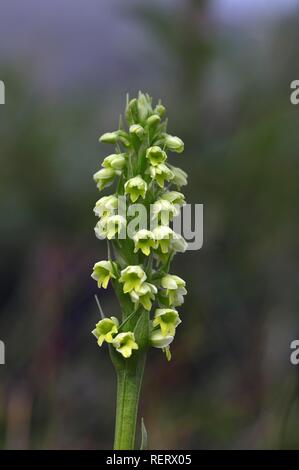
{"x":144,"y":104}
{"x":137,"y":130}
{"x":116,"y":162}
{"x":104,"y":177}
{"x":173,"y":143}
{"x":153,"y":120}
{"x":109,"y":137}
{"x":160,"y":109}
{"x":132,"y":111}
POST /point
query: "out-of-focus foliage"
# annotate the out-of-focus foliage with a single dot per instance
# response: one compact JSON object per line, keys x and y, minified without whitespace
{"x":230,"y":383}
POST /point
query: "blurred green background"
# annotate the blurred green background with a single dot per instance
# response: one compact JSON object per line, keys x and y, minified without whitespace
{"x":223,"y":70}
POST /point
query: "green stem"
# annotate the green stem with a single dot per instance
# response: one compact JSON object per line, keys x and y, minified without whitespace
{"x":129,"y":380}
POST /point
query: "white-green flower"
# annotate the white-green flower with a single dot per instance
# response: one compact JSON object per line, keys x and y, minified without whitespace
{"x":160,"y":109}
{"x":174,"y":143}
{"x":106,"y":206}
{"x":144,"y":294}
{"x":132,"y":277}
{"x":153,"y":120}
{"x":175,"y":289}
{"x":167,"y":319}
{"x":164,"y":211}
{"x":124,"y":343}
{"x":179,"y":176}
{"x":104,"y":177}
{"x":160,"y":174}
{"x":109,"y":227}
{"x":105,"y":330}
{"x":136,"y":187}
{"x":103,"y":271}
{"x":115,"y":161}
{"x":109,"y":137}
{"x":178,"y":244}
{"x":174,"y":197}
{"x":137,"y":130}
{"x":156,"y":155}
{"x":144,"y":240}
{"x":163,"y":236}
{"x":158,"y":340}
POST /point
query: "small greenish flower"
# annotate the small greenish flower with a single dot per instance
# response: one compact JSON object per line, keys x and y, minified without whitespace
{"x":109,"y":137}
{"x":153,"y":120}
{"x":132,"y":277}
{"x":144,"y":240}
{"x":137,"y":130}
{"x":106,"y":206}
{"x":109,"y":227}
{"x":174,"y":197}
{"x":160,"y":109}
{"x":178,"y":244}
{"x":158,"y":340}
{"x":175,"y":289}
{"x":105,"y":329}
{"x":163,"y":236}
{"x":167,"y":319}
{"x":136,"y":187}
{"x":174,"y":143}
{"x":124,"y":343}
{"x":104,"y":177}
{"x":115,"y":161}
{"x":156,"y":155}
{"x":161,"y":173}
{"x":145,"y":294}
{"x":179,"y":176}
{"x":164,"y":211}
{"x":103,"y":271}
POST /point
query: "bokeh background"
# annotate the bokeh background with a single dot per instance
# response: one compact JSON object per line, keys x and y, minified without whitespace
{"x":223,"y":69}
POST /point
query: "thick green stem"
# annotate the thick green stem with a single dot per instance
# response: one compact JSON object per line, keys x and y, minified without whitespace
{"x":129,"y":380}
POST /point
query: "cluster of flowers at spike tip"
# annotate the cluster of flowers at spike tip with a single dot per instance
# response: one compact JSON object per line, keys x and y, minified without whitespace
{"x":138,"y":267}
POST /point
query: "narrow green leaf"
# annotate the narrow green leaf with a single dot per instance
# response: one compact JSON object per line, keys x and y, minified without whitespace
{"x":144,"y":436}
